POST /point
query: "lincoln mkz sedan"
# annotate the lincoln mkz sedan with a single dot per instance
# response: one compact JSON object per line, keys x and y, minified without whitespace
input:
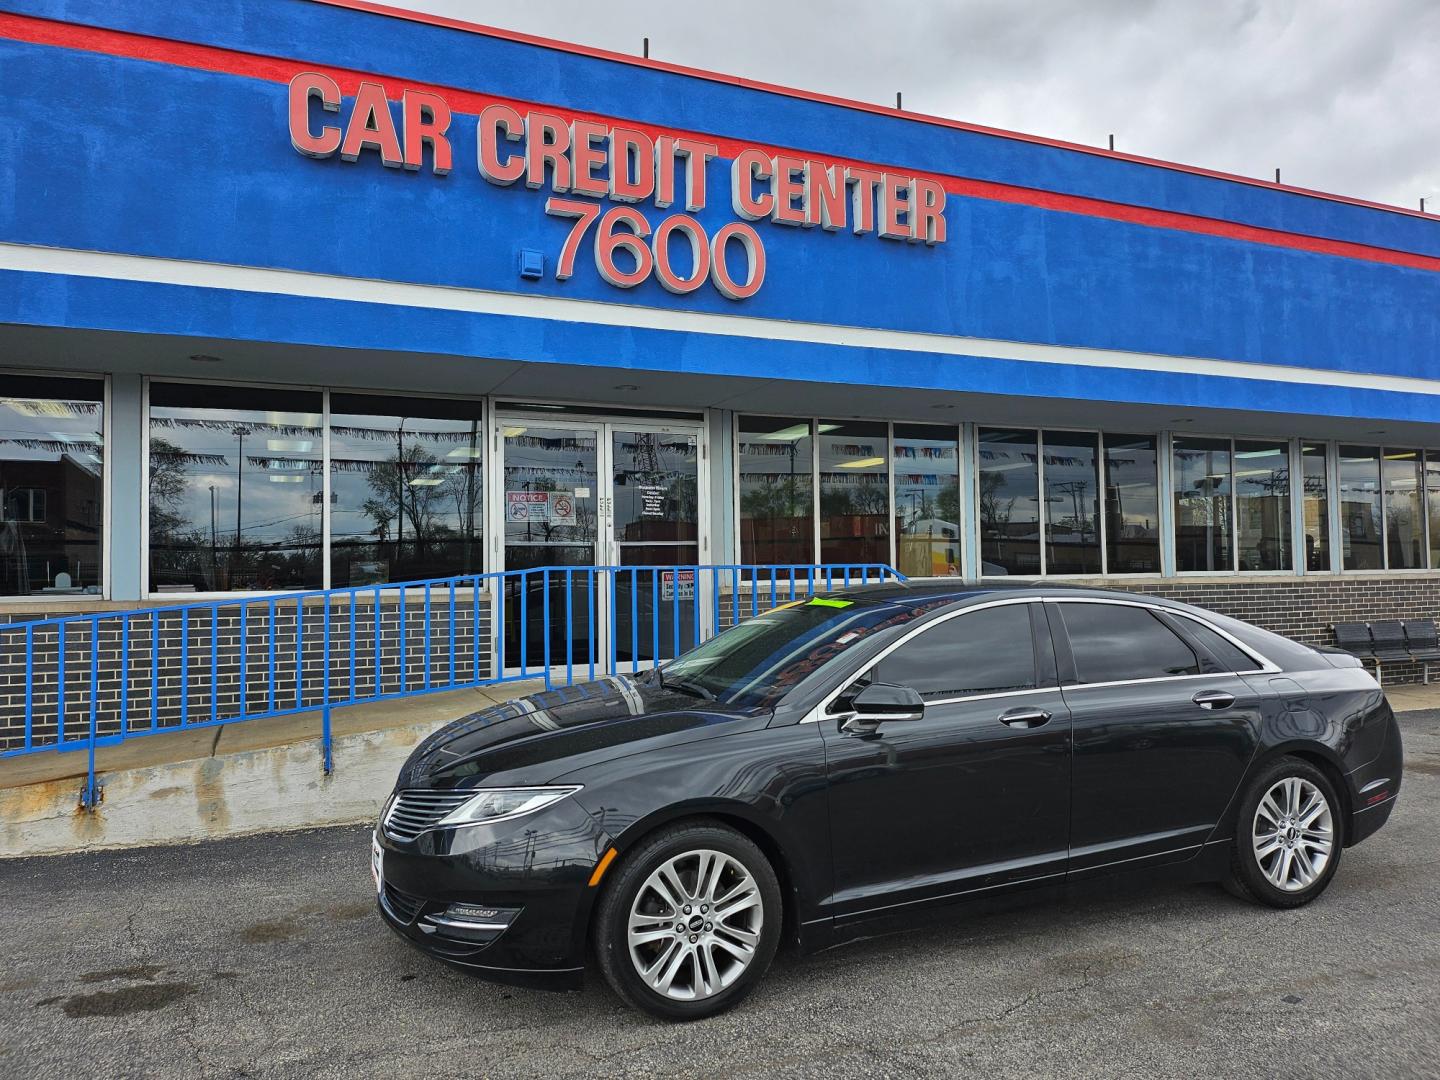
{"x":844,"y":763}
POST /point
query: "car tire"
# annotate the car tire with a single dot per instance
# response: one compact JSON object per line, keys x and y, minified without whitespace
{"x":710,"y":964}
{"x":1287,"y":846}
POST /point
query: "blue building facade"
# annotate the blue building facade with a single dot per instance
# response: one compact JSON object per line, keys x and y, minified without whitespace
{"x":302,"y":294}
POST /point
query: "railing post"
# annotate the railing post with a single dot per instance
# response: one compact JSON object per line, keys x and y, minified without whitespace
{"x":90,"y":796}
{"x":545,"y":626}
{"x":327,"y":760}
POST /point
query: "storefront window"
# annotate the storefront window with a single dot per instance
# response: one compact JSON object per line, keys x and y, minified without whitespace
{"x":1262,"y":505}
{"x":1432,"y":504}
{"x":1072,"y":503}
{"x":406,"y":488}
{"x":854,"y":492}
{"x":927,"y":501}
{"x":236,"y":488}
{"x":1360,"y":507}
{"x":1316,"y":508}
{"x":1202,"y":504}
{"x":776,"y":492}
{"x":51,"y":485}
{"x":1009,"y":502}
{"x":1132,"y":504}
{"x":1404,"y":512}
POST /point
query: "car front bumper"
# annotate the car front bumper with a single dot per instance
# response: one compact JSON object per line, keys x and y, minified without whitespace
{"x":509,"y":902}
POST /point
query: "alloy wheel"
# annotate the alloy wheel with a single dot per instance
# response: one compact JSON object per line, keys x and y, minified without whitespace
{"x":694,"y":925}
{"x":1293,"y":834}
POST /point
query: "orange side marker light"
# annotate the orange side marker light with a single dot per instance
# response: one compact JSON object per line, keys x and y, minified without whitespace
{"x":602,"y":866}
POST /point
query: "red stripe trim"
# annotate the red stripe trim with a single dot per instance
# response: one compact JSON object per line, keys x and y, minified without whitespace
{"x":274,"y":69}
{"x":848,"y":103}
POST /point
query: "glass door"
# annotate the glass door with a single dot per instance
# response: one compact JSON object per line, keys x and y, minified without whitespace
{"x":655,"y":514}
{"x":551,"y":509}
{"x":625,"y":495}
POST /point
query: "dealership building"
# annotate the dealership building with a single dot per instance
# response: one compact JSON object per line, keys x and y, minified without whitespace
{"x":312,"y":294}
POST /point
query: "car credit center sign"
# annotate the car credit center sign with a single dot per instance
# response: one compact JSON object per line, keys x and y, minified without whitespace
{"x":590,"y":163}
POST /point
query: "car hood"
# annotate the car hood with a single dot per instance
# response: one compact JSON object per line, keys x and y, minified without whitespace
{"x":535,"y":738}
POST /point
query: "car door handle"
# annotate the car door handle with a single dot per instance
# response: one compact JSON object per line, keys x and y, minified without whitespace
{"x":1213,"y":699}
{"x":1024,"y":718}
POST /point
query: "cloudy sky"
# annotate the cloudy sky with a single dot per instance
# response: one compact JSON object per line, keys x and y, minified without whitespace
{"x":1341,"y":95}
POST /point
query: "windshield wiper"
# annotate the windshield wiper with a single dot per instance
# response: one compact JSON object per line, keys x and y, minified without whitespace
{"x":685,"y":686}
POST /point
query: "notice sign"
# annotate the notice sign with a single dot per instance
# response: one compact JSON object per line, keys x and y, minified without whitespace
{"x":675,"y":583}
{"x":652,"y":500}
{"x":527,"y":505}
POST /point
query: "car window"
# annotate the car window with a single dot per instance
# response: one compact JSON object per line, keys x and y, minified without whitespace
{"x":981,"y":652}
{"x":1230,"y":655}
{"x":1117,"y":642}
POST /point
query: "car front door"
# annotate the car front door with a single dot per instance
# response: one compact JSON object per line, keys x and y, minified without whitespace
{"x":1162,"y":734}
{"x":973,"y":795}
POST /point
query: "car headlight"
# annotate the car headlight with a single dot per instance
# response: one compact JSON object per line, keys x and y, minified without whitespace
{"x":501,"y":804}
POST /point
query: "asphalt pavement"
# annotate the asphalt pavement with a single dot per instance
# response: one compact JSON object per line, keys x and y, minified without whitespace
{"x":263,"y":957}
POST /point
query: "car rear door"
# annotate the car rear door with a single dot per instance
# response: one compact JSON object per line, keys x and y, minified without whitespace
{"x":975,"y":794}
{"x":1162,"y":735}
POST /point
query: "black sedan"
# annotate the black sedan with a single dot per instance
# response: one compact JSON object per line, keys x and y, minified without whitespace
{"x":845,"y":763}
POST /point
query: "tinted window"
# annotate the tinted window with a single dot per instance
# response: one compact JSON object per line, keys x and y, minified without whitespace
{"x":1113,"y":642}
{"x":1230,"y":655}
{"x":984,"y":652}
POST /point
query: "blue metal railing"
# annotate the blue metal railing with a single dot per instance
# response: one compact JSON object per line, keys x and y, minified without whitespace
{"x":101,"y":679}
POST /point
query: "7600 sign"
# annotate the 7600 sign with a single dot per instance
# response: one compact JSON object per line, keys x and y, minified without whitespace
{"x":707,"y":252}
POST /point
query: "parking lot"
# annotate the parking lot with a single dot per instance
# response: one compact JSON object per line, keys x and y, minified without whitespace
{"x":263,"y":957}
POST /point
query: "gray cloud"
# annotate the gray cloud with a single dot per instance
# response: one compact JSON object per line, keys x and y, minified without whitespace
{"x":1339,"y":94}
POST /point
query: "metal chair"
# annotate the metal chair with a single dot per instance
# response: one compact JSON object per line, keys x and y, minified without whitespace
{"x":1354,"y":638}
{"x":1422,"y":640}
{"x":1388,"y":638}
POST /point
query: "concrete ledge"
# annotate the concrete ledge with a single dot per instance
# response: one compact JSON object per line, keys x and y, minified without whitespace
{"x":265,"y":779}
{"x":187,"y":745}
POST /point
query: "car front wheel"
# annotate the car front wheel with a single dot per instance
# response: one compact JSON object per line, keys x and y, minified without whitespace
{"x":689,"y":923}
{"x":1289,"y":835}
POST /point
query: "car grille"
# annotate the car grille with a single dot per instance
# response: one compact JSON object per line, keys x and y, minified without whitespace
{"x":413,"y":812}
{"x":402,"y":905}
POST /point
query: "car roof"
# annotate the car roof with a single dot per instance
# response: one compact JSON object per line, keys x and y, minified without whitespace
{"x":927,"y":592}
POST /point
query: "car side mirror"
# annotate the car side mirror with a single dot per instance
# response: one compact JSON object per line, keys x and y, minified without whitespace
{"x":880,"y":703}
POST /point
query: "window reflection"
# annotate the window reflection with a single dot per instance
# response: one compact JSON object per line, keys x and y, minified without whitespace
{"x":1317,"y":508}
{"x":1202,"y":504}
{"x":1262,"y":505}
{"x":1432,"y":504}
{"x":656,"y":488}
{"x":1072,"y":503}
{"x":927,"y":500}
{"x":1360,"y":507}
{"x":51,"y":485}
{"x":236,"y":488}
{"x":854,"y":492}
{"x":776,"y":494}
{"x":1404,"y":515}
{"x":1009,"y":502}
{"x":1132,"y":504}
{"x":406,"y":488}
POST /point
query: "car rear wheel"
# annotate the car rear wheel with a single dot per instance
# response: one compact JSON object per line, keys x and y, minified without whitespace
{"x":1289,"y":836}
{"x":689,"y":922}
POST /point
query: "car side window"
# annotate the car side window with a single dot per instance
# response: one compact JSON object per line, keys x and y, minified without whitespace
{"x":989,"y":651}
{"x":1230,"y":655}
{"x":1118,"y":643}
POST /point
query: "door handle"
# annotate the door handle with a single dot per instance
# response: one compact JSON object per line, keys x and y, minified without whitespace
{"x":1024,"y":718}
{"x":1213,"y":699}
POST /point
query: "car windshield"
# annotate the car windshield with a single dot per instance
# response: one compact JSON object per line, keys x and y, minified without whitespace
{"x":757,"y":662}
